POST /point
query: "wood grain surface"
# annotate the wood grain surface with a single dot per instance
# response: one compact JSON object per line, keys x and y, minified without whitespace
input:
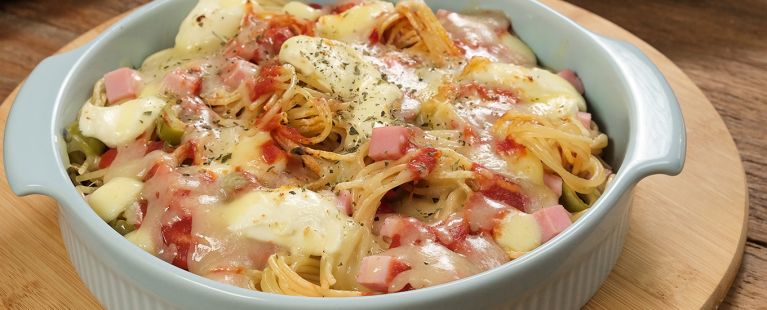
{"x":722,"y":47}
{"x":719,"y":44}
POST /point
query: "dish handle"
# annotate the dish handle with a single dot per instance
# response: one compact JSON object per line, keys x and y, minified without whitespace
{"x":30,"y":144}
{"x":660,"y":140}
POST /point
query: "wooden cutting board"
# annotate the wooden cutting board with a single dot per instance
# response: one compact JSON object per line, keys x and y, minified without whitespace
{"x":683,"y":249}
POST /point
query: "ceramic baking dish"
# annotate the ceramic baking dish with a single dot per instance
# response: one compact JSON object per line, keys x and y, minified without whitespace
{"x":627,"y":94}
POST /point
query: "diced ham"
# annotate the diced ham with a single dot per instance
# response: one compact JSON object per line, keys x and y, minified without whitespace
{"x":345,"y":202}
{"x":400,"y":230}
{"x":183,"y":83}
{"x":584,"y":118}
{"x":552,"y":220}
{"x":573,"y":78}
{"x":451,"y":231}
{"x":238,"y":71}
{"x":378,"y":271}
{"x":389,"y":143}
{"x":554,"y":182}
{"x":482,"y":251}
{"x":121,"y":84}
{"x":483,"y":213}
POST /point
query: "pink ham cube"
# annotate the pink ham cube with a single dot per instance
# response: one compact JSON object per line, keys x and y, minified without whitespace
{"x":345,"y":202}
{"x":183,"y":83}
{"x":400,"y":230}
{"x":573,"y":78}
{"x":554,"y":182}
{"x":482,"y":251}
{"x":121,"y":84}
{"x":483,"y":213}
{"x":238,"y":71}
{"x":552,"y":220}
{"x":584,"y":118}
{"x":378,"y":271}
{"x":389,"y":143}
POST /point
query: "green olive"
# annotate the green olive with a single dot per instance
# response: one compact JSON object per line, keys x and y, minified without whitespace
{"x":572,"y":201}
{"x":122,"y":226}
{"x":77,"y":142}
{"x":169,"y":128}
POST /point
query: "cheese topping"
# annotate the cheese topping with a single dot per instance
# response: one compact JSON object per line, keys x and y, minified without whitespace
{"x":120,"y":124}
{"x":210,"y":24}
{"x":302,"y":10}
{"x":337,"y":68}
{"x":114,"y":197}
{"x":534,"y":85}
{"x":249,"y":156}
{"x":356,"y":24}
{"x":298,"y":219}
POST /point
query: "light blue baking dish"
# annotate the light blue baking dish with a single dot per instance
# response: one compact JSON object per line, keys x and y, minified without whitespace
{"x":629,"y":97}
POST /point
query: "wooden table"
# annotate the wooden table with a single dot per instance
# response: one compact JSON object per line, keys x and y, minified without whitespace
{"x":720,"y":45}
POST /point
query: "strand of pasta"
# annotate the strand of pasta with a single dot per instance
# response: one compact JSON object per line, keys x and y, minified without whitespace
{"x":279,"y":277}
{"x":273,"y":106}
{"x":556,"y":148}
{"x":433,"y":37}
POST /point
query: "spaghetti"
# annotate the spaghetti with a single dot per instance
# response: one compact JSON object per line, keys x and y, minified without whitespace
{"x":365,"y":160}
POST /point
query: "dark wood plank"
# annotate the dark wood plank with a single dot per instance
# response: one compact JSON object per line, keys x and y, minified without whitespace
{"x":721,"y":45}
{"x":33,"y":30}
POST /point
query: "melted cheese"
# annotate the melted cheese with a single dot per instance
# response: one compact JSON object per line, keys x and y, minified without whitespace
{"x":120,"y":124}
{"x":356,"y":24}
{"x":248,"y":149}
{"x":517,"y":233}
{"x":223,"y":144}
{"x":112,"y":198}
{"x":533,"y":85}
{"x":298,"y":219}
{"x":335,"y":67}
{"x":132,"y":161}
{"x":209,"y":25}
{"x":430,"y":264}
{"x":155,"y":67}
{"x":522,"y":54}
{"x":143,"y":239}
{"x":525,"y":166}
{"x":301,"y":10}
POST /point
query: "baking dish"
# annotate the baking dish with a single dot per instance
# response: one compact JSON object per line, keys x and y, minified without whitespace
{"x":627,"y":94}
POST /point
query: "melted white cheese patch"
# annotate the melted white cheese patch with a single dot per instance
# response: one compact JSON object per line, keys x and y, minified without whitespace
{"x":533,"y":85}
{"x":298,"y":219}
{"x":120,"y":124}
{"x":301,"y":10}
{"x":335,"y":67}
{"x":518,"y":233}
{"x":356,"y":24}
{"x":248,"y":149}
{"x":111,"y":199}
{"x":210,"y":24}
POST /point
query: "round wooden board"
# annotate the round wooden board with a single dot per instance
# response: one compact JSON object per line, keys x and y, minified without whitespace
{"x":683,"y":249}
